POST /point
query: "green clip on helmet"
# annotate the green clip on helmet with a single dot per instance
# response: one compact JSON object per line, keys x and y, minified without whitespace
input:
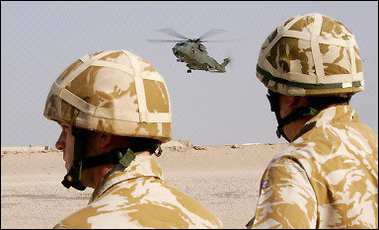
{"x":113,"y":92}
{"x":311,"y":55}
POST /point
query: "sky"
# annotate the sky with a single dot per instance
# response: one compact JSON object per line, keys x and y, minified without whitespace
{"x":40,"y":39}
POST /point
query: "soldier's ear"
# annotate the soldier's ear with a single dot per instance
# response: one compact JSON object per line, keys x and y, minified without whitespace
{"x":105,"y":140}
{"x":295,"y":101}
{"x":289,"y":101}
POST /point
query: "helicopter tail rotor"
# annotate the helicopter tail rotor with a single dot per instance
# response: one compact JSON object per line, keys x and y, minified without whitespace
{"x":225,"y":63}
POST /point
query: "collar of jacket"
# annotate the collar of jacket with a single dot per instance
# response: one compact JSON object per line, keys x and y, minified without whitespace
{"x":333,"y":114}
{"x":141,"y":166}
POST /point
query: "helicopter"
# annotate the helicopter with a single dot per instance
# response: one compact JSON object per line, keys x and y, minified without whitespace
{"x":193,"y":52}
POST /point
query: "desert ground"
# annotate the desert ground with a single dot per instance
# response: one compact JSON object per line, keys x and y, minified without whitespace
{"x":225,"y":179}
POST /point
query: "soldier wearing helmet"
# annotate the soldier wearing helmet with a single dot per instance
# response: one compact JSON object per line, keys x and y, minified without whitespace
{"x":328,"y":175}
{"x":114,"y":110}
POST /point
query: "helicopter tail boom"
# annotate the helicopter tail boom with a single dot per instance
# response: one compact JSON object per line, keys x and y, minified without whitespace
{"x":226,"y":61}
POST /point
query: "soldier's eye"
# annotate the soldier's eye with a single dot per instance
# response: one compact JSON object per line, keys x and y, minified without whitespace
{"x":65,"y":128}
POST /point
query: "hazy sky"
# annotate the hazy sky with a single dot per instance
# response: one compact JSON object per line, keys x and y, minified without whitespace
{"x":40,"y":39}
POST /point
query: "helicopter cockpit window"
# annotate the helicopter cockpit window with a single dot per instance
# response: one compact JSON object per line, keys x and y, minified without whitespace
{"x":201,"y":47}
{"x":181,"y":44}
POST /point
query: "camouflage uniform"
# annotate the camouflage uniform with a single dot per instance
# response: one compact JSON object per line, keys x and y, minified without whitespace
{"x":119,"y":93}
{"x":326,"y":178}
{"x":137,"y":197}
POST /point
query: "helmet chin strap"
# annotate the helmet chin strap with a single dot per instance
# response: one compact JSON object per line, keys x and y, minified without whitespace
{"x":117,"y":156}
{"x":295,"y":115}
{"x":73,"y":176}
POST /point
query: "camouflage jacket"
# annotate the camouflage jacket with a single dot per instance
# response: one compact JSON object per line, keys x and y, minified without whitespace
{"x":326,"y":178}
{"x":137,"y":197}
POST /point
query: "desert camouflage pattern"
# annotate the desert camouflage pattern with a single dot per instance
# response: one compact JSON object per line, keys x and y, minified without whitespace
{"x":326,"y":178}
{"x":311,"y":54}
{"x":138,"y":197}
{"x":114,"y":92}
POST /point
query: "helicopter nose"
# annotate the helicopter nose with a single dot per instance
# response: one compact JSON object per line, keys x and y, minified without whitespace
{"x":175,"y":50}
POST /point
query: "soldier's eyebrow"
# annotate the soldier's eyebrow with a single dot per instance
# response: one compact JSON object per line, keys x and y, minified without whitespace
{"x":64,"y":126}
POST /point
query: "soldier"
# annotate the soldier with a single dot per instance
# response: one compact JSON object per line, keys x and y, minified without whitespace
{"x":115,"y":112}
{"x":328,"y":175}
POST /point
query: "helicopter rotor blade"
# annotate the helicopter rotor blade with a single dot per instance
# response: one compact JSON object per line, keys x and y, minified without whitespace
{"x":172,"y":32}
{"x":162,"y":40}
{"x":229,"y":40}
{"x":212,"y":32}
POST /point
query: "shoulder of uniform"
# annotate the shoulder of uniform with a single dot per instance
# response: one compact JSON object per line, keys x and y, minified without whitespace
{"x":294,"y":158}
{"x":77,"y":220}
{"x":60,"y":226}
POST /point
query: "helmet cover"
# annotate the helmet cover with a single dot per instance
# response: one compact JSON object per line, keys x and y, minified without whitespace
{"x":311,"y":54}
{"x":113,"y":92}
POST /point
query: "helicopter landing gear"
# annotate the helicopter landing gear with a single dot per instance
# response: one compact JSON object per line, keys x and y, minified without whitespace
{"x":189,"y":71}
{"x":205,"y":67}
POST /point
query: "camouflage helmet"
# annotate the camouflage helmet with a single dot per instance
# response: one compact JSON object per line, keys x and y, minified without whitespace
{"x":311,"y":55}
{"x":113,"y":92}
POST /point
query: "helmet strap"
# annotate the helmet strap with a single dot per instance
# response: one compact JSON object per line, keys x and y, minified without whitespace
{"x":73,"y":176}
{"x":279,"y":129}
{"x":295,"y":115}
{"x":121,"y":156}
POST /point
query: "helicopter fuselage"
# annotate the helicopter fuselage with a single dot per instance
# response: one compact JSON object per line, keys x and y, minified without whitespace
{"x":193,"y":52}
{"x":195,"y":55}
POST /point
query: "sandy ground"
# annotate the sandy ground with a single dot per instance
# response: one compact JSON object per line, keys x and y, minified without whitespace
{"x":223,"y":178}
